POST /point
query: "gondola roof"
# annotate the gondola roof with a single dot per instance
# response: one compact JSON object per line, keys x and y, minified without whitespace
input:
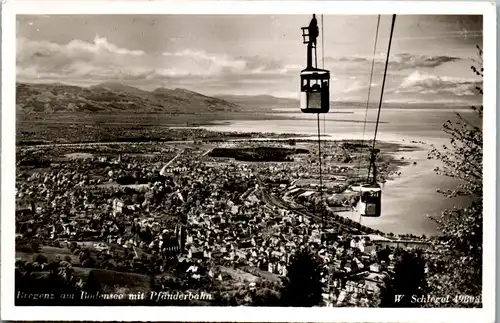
{"x":312,"y":70}
{"x":370,"y":188}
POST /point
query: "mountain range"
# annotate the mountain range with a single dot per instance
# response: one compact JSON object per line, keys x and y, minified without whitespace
{"x":115,"y":97}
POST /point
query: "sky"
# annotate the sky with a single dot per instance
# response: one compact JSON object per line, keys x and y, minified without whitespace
{"x":430,"y":56}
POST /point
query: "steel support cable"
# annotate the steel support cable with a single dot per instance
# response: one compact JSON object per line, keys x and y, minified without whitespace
{"x":322,"y":42}
{"x":381,"y":98}
{"x":319,"y":158}
{"x":316,"y":52}
{"x":323,"y":63}
{"x":319,"y":127}
{"x":369,"y":92}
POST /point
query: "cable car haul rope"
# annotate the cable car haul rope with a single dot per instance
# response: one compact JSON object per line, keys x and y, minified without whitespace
{"x":315,"y":98}
{"x":371,"y":193}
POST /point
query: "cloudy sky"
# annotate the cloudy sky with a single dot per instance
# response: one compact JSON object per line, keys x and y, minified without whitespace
{"x":258,"y":54}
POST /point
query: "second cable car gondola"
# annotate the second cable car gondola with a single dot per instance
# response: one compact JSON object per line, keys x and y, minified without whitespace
{"x":314,"y":82}
{"x":370,"y":201}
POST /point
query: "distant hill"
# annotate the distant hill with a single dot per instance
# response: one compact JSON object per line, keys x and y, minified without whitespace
{"x":260,"y":102}
{"x":181,"y":97}
{"x":119,"y":87}
{"x":267,"y":103}
{"x":245,"y":99}
{"x":114,"y":97}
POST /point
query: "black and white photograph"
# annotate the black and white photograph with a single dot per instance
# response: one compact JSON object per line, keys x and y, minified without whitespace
{"x":312,"y":158}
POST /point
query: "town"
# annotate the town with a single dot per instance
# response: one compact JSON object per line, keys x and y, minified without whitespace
{"x":210,"y":216}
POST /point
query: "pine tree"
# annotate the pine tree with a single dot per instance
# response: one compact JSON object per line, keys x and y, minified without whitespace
{"x":409,"y":280}
{"x":304,"y":286}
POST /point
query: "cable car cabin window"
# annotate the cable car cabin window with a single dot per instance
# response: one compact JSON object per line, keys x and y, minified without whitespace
{"x":315,"y":95}
{"x":371,"y":210}
{"x":313,"y":101}
{"x":309,"y":82}
{"x":316,"y":88}
{"x":370,"y":197}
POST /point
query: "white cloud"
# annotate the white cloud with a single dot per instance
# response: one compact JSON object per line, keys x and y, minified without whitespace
{"x":101,"y":43}
{"x":205,"y":63}
{"x":358,"y":86}
{"x":425,"y":83}
{"x":76,"y":59}
{"x":75,"y":48}
{"x":402,"y":61}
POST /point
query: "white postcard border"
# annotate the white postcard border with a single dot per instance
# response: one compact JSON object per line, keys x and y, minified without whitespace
{"x":243,"y":314}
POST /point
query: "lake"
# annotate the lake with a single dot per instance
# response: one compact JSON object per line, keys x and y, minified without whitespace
{"x":406,"y":200}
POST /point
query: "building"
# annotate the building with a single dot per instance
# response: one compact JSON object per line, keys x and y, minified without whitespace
{"x":375,"y":267}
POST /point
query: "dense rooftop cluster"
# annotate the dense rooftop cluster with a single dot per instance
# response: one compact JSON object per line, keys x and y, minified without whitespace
{"x":191,"y":220}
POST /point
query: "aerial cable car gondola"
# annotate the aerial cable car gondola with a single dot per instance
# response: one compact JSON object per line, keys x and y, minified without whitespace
{"x":314,"y":82}
{"x":370,"y":204}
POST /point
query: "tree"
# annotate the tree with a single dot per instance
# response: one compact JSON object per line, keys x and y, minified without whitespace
{"x":304,"y":287}
{"x":408,"y":280}
{"x":41,"y":259}
{"x":73,"y":245}
{"x":383,"y":254}
{"x":35,"y":245}
{"x":266,"y":297}
{"x":462,"y":228}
